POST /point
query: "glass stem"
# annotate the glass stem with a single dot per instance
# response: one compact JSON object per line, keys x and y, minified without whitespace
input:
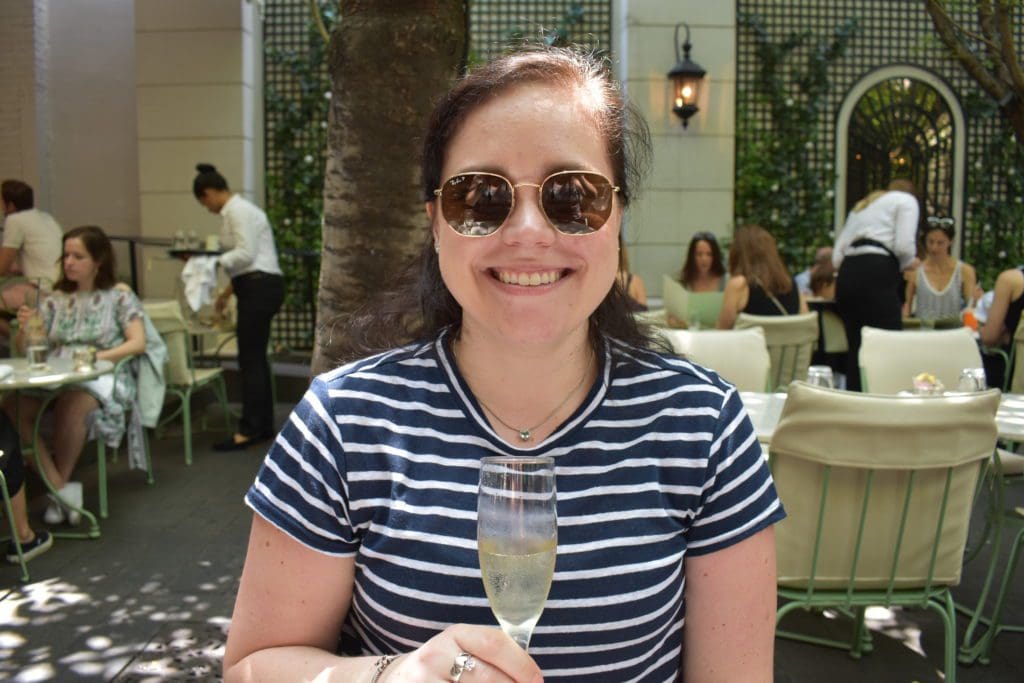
{"x":521,"y":635}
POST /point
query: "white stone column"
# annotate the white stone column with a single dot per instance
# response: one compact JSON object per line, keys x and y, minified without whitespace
{"x":691,"y":184}
{"x":18,"y":156}
{"x":199,"y":96}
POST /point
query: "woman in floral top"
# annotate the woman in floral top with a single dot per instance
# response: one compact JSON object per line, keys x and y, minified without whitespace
{"x":84,"y":308}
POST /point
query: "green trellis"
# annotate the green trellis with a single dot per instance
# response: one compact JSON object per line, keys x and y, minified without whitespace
{"x":885,"y":32}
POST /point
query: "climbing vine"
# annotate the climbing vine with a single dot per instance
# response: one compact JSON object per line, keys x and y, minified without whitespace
{"x":779,"y":183}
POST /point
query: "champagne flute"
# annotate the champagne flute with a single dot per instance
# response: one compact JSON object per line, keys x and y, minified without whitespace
{"x":517,"y":533}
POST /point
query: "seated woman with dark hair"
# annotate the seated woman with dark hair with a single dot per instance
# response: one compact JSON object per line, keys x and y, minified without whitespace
{"x":85,"y":308}
{"x":759,"y":282}
{"x":703,"y":270}
{"x":942,"y":286}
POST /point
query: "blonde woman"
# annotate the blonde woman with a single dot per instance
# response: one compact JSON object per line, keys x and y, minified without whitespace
{"x":873,"y":249}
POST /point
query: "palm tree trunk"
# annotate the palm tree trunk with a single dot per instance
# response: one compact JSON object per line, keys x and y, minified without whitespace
{"x":389,"y":60}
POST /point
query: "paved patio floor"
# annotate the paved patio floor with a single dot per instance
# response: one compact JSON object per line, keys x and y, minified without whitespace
{"x":151,"y":599}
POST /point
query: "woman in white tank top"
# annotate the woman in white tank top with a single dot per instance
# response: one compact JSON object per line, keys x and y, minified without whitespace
{"x":943,"y":285}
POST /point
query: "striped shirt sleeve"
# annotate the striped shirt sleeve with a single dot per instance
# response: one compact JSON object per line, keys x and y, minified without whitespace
{"x":738,"y":497}
{"x":301,"y":487}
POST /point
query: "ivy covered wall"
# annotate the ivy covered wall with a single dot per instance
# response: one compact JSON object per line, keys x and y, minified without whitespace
{"x":796,"y":62}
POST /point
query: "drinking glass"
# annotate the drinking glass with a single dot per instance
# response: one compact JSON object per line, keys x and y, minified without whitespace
{"x":517,"y":533}
{"x":820,"y":375}
{"x":972,"y":379}
{"x":36,"y":343}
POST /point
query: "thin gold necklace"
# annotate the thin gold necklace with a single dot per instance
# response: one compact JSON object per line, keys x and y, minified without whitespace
{"x":526,"y":435}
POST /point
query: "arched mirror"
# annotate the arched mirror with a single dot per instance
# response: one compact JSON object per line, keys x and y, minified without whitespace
{"x":902,"y":127}
{"x":901,"y":122}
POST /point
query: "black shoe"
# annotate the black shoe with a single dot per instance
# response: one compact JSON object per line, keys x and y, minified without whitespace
{"x":34,"y":548}
{"x":230,"y":444}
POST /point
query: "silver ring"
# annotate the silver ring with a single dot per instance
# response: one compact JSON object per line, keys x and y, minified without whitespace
{"x":463,"y":662}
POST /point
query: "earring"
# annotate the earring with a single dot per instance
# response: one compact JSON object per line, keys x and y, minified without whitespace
{"x":437,"y":247}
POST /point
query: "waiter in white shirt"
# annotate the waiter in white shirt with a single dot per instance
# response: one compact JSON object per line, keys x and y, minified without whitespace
{"x":257,"y":284}
{"x":877,"y":243}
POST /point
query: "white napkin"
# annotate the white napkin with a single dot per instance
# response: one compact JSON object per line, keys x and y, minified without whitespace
{"x":200,"y":279}
{"x":981,"y":308}
{"x":5,"y":372}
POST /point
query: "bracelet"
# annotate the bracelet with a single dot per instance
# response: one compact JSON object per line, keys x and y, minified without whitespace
{"x":380,"y":665}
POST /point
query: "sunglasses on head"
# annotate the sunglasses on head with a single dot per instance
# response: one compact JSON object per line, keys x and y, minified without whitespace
{"x":477,"y":203}
{"x":939,"y":220}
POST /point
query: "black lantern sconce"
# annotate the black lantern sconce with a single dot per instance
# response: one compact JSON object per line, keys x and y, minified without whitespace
{"x":686,"y":77}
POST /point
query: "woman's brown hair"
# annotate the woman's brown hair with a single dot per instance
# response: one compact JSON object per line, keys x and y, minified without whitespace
{"x":689,"y":271}
{"x":419,"y":305}
{"x":98,"y":245}
{"x":753,"y":255}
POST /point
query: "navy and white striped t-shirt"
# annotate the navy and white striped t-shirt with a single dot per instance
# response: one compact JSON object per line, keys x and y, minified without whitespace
{"x":380,"y":461}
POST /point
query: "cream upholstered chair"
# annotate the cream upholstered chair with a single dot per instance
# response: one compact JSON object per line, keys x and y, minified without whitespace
{"x":739,"y":356}
{"x":657,"y":317}
{"x":878,"y":492}
{"x":889,"y":359}
{"x":183,"y":378}
{"x":833,"y":333}
{"x":791,"y":340}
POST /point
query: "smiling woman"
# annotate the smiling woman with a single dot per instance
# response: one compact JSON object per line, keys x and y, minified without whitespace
{"x":513,"y":337}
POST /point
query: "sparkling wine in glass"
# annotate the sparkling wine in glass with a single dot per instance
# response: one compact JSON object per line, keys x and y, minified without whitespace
{"x":517,"y":532}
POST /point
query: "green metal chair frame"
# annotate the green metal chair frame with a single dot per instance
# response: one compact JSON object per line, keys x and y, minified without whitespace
{"x":183,"y":378}
{"x":981,"y":631}
{"x":895,"y":481}
{"x":791,"y":341}
{"x":1008,"y":470}
{"x":93,"y":529}
{"x":227,"y":348}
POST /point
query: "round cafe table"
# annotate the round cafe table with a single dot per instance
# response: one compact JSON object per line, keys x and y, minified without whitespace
{"x":58,"y":373}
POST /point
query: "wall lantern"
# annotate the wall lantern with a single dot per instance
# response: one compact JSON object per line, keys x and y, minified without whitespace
{"x":686,"y":77}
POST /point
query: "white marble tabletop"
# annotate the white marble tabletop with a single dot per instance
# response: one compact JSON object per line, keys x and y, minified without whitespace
{"x":58,"y":371}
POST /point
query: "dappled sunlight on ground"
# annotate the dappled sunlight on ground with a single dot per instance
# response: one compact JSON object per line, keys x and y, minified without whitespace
{"x":896,"y":624}
{"x":153,"y":632}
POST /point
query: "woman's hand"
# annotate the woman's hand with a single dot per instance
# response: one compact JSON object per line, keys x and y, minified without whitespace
{"x":496,"y":658}
{"x":221,"y":303}
{"x":24,"y":312}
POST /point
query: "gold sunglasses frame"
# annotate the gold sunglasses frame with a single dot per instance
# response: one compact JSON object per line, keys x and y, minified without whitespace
{"x":512,"y":207}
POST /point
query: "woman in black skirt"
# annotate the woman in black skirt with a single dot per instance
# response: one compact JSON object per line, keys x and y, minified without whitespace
{"x":871,"y":252}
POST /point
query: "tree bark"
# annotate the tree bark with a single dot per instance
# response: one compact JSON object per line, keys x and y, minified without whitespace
{"x":1003,"y":78}
{"x":389,"y":60}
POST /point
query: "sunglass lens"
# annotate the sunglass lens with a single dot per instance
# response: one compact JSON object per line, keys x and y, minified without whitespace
{"x":577,"y":203}
{"x":476,"y":203}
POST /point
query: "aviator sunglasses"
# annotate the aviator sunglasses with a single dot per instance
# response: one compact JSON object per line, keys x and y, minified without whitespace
{"x":477,"y":203}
